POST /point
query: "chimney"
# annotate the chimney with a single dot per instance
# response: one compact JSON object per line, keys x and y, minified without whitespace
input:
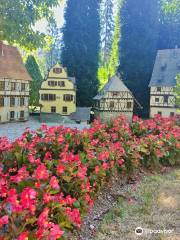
{"x":1,"y":49}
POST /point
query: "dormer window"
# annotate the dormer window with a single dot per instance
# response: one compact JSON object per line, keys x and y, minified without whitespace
{"x":57,"y":70}
{"x":158,"y":89}
{"x":163,"y":66}
{"x":114,"y":94}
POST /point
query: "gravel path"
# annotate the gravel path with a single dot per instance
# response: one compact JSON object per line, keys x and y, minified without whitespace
{"x":14,"y":130}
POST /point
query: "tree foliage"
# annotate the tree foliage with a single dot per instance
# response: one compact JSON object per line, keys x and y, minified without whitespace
{"x":33,"y":70}
{"x":110,"y":68}
{"x":138,"y":45}
{"x":54,"y":54}
{"x":177,"y":91}
{"x":169,"y":25}
{"x":17,"y":20}
{"x":80,"y":52}
{"x":107,"y":27}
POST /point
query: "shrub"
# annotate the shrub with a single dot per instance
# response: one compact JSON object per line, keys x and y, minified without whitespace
{"x":49,"y":178}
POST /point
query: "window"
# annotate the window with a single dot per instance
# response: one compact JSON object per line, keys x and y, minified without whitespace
{"x":114,"y":94}
{"x":61,"y":84}
{"x":129,"y":104}
{"x":64,"y":109}
{"x":23,"y":86}
{"x":48,"y":97}
{"x":166,"y":99}
{"x":12,"y":115}
{"x":2,"y":86}
{"x":53,"y":109}
{"x":21,"y":114}
{"x":13,"y":86}
{"x":57,"y":70}
{"x":158,"y":89}
{"x":52,"y":83}
{"x":111,"y":105}
{"x":171,"y":114}
{"x":68,"y":97}
{"x":160,"y":113}
{"x":12,"y":101}
{"x":156,"y":99}
{"x":21,"y":101}
{"x":1,"y":101}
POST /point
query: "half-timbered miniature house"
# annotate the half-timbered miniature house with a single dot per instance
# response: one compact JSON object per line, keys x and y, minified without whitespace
{"x":14,"y":85}
{"x":114,"y":99}
{"x":163,"y":81}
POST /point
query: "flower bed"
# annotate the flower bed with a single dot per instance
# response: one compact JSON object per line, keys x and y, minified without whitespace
{"x":49,"y":178}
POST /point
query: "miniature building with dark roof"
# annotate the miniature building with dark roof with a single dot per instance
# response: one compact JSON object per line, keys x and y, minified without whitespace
{"x":163,"y":81}
{"x":14,"y":85}
{"x":114,"y":99}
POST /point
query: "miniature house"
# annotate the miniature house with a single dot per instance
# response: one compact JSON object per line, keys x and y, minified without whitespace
{"x":114,"y":99}
{"x":58,"y":92}
{"x":14,"y":85}
{"x":163,"y":81}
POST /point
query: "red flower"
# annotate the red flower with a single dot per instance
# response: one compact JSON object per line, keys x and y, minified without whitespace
{"x":55,"y":232}
{"x":48,"y":156}
{"x":54,"y":183}
{"x":69,"y":200}
{"x":22,"y":174}
{"x":103,"y":156}
{"x":47,"y":197}
{"x":28,"y":197}
{"x":43,"y":218}
{"x":74,"y":216}
{"x":23,"y":236}
{"x":105,"y":166}
{"x":96,"y":170}
{"x":121,"y":161}
{"x":60,"y":169}
{"x":32,"y":159}
{"x":3,"y":220}
{"x":41,"y":172}
{"x":82,"y":172}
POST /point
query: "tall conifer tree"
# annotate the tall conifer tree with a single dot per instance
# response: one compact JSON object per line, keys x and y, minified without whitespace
{"x":107,"y":27}
{"x":80,"y":53}
{"x":33,"y":70}
{"x":138,"y":46}
{"x":169,"y":25}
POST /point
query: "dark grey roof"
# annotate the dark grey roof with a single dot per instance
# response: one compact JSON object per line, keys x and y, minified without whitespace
{"x":166,"y":68}
{"x":115,"y":84}
{"x":81,"y":114}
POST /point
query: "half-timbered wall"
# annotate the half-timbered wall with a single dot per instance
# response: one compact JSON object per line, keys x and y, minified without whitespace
{"x":162,"y":101}
{"x":16,"y":89}
{"x":113,"y":104}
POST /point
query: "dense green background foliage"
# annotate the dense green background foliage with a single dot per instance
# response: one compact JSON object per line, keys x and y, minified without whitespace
{"x":138,"y":46}
{"x":33,"y":70}
{"x":80,"y":53}
{"x":17,"y":19}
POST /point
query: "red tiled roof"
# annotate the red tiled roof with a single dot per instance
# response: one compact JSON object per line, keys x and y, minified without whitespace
{"x":11,"y":64}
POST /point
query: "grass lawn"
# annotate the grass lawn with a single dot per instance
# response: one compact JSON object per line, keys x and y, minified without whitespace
{"x":154,"y":204}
